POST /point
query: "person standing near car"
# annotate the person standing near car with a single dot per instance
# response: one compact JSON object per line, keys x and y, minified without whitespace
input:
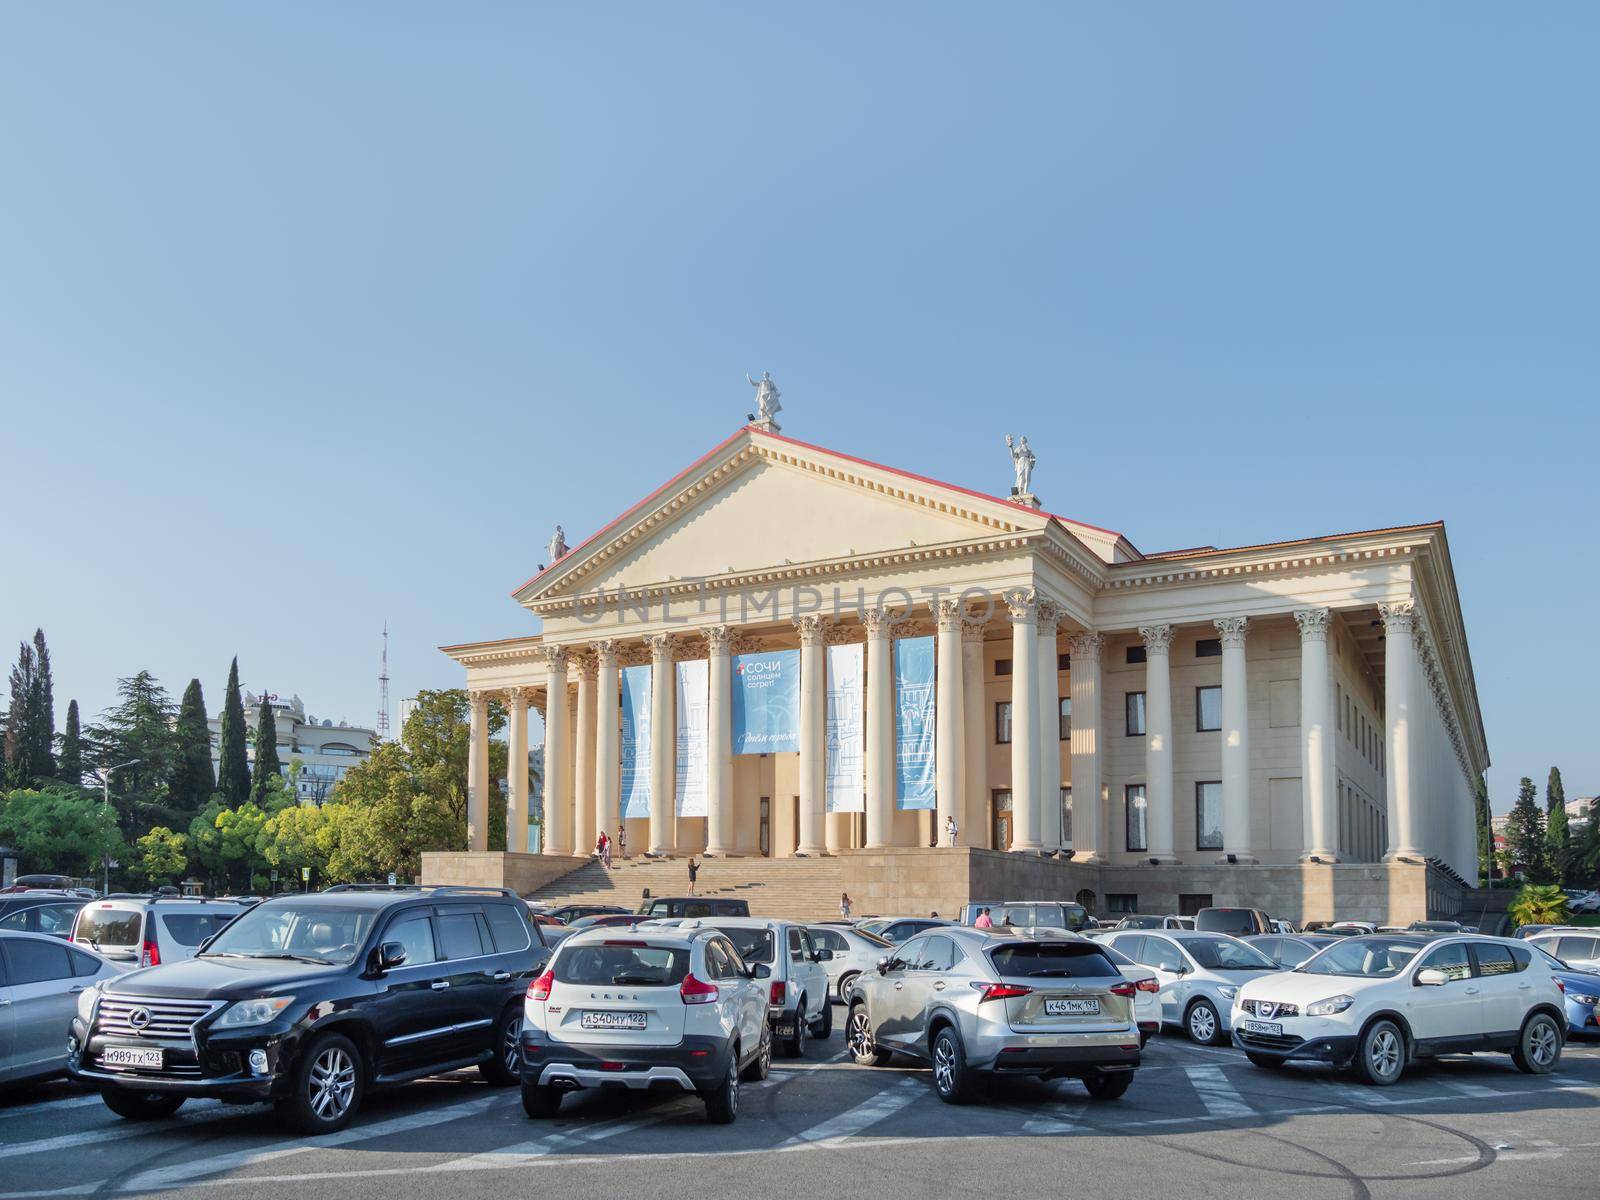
{"x":844,"y":905}
{"x":984,"y":921}
{"x":694,"y":870}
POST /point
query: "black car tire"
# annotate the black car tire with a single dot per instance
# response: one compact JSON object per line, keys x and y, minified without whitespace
{"x":1144,"y":1038}
{"x":1538,"y":1048}
{"x":1110,"y":1086}
{"x":722,"y":1101}
{"x":504,"y":1069}
{"x":951,"y":1078}
{"x":1269,"y":1062}
{"x":141,"y":1106}
{"x":823,"y":1029}
{"x":795,"y":1045}
{"x":761,"y":1064}
{"x":326,"y":1086}
{"x":1380,"y":1057}
{"x":1204,"y":1014}
{"x":863,"y":1047}
{"x":540,"y":1102}
{"x":846,"y":982}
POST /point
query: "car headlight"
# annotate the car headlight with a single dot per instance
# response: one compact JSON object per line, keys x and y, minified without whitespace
{"x":1228,"y":993}
{"x":1580,"y":997}
{"x":241,"y":1014}
{"x":86,"y":1003}
{"x":1330,"y":1006}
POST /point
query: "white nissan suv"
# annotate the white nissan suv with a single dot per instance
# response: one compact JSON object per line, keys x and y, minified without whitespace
{"x":652,"y":1007}
{"x":1378,"y":1002}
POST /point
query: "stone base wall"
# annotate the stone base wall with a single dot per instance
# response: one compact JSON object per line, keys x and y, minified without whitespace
{"x":496,"y":868}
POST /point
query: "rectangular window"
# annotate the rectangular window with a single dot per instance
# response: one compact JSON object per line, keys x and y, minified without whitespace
{"x":1208,"y":648}
{"x":1002,"y":722}
{"x":1190,"y":903}
{"x":1063,"y":662}
{"x":1135,"y":709}
{"x":1207,"y":709}
{"x":1066,"y":817}
{"x":1135,"y":655}
{"x":1135,"y":817}
{"x":1122,"y":902}
{"x":1208,"y":816}
{"x":1002,"y":666}
{"x":1066,"y":718}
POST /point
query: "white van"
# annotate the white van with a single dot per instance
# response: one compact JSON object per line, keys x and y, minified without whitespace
{"x":146,"y":931}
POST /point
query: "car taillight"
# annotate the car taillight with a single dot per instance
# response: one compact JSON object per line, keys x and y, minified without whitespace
{"x":1123,"y":989}
{"x":539,"y":989}
{"x":1562,"y":986}
{"x":1147,"y":984}
{"x":1000,"y":991}
{"x":779,"y":991}
{"x":150,"y":956}
{"x":697,"y":991}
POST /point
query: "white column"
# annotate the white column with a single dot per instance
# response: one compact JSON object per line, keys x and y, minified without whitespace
{"x":478,"y":772}
{"x":582,"y":807}
{"x":1049,"y":728}
{"x":948,"y":748}
{"x":1235,"y":741}
{"x":1158,"y":738}
{"x":558,"y":831}
{"x":1089,"y":841}
{"x":975,"y":734}
{"x":1316,"y":736}
{"x":583,"y":759}
{"x":813,"y":733}
{"x":607,"y":764}
{"x":516,"y":797}
{"x":663,"y":747}
{"x":1399,"y":705}
{"x":880,"y":729}
{"x":719,"y":742}
{"x":1026,"y":813}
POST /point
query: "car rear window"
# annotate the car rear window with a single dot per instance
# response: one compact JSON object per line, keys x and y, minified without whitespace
{"x":754,"y":945}
{"x":1226,"y":920}
{"x":110,"y":926}
{"x":190,"y":929}
{"x":1064,"y":960}
{"x":622,"y":964}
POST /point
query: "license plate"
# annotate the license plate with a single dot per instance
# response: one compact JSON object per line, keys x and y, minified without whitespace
{"x":1270,"y":1028}
{"x":614,"y":1020}
{"x":128,"y":1056}
{"x":1071,"y":1008}
{"x":784,"y":1030}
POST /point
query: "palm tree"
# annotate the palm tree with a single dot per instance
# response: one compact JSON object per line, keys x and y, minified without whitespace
{"x":1539,"y":904}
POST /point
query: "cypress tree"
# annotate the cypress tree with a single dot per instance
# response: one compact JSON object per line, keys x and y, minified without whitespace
{"x":18,"y":771}
{"x":266,"y":752}
{"x":193,"y":779}
{"x":233,"y":775}
{"x":44,"y":710}
{"x":1525,"y":836}
{"x":1555,"y":816}
{"x":69,"y":763}
{"x":30,"y":731}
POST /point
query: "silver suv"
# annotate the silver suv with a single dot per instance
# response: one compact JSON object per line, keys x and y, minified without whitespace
{"x":798,"y":1001}
{"x":976,"y":1002}
{"x":146,"y":931}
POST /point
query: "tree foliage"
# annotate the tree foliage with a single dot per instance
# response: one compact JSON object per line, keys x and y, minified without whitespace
{"x":1539,"y":904}
{"x":1555,"y":815}
{"x":30,"y":727}
{"x":138,"y":730}
{"x":59,"y":829}
{"x":161,"y":856}
{"x":268,"y":766}
{"x":193,"y":779}
{"x":233,"y":771}
{"x":69,"y":763}
{"x":1480,"y":805}
{"x":1525,"y":835}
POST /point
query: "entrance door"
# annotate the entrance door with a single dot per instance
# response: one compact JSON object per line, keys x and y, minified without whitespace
{"x":1000,"y":819}
{"x":766,"y":826}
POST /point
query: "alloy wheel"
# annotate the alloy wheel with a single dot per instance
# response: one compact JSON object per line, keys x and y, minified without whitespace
{"x":944,"y":1066}
{"x":1384,"y":1053}
{"x":1542,"y":1043}
{"x":733,"y":1084}
{"x":511,"y":1047}
{"x":333,"y":1084}
{"x":860,"y":1037}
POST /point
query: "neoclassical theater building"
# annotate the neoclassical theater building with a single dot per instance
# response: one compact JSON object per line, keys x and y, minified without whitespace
{"x":789,"y":651}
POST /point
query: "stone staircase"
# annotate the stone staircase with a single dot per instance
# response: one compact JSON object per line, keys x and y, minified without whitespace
{"x":805,"y":889}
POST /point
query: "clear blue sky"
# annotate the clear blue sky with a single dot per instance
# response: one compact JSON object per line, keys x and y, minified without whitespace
{"x":316,"y":315}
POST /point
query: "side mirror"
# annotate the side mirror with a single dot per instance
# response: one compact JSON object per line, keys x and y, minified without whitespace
{"x":885,"y":965}
{"x":390,"y":955}
{"x":1432,"y":977}
{"x":760,"y":971}
{"x":822,"y":956}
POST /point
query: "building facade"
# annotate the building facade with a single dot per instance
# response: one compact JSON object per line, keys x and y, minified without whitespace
{"x":321,"y":751}
{"x":1309,"y":701}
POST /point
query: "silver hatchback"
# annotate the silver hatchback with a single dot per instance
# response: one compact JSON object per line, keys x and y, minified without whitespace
{"x":991,"y":1002}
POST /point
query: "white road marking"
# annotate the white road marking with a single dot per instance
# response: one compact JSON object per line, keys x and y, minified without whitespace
{"x":1048,"y":1126}
{"x":853,"y":1120}
{"x":1222,"y":1100}
{"x":50,"y":1106}
{"x":1474,"y":1091}
{"x":112,"y":1133}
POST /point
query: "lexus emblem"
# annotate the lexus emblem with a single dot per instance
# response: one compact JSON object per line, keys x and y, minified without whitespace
{"x":139,"y":1018}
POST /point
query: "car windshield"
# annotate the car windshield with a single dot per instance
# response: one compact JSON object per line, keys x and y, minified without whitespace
{"x":1139,"y":923}
{"x":310,"y":932}
{"x":754,"y":945}
{"x":1364,"y":957}
{"x":1219,"y":954}
{"x":623,"y":964}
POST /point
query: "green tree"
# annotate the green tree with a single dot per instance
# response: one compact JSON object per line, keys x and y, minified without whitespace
{"x":1555,"y":822}
{"x":30,"y":730}
{"x":205,"y":842}
{"x":59,"y":830}
{"x":233,"y":772}
{"x":1525,"y":836}
{"x":1586,"y":853}
{"x":69,"y":763}
{"x":161,"y":856}
{"x":304,"y":835}
{"x":1480,"y":803}
{"x":1539,"y":904}
{"x":138,"y":730}
{"x":241,"y":841}
{"x":267,"y":764}
{"x":193,"y":780}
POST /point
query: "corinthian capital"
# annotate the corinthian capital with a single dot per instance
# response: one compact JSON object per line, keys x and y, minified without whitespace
{"x":1398,"y":618}
{"x":1313,"y":623}
{"x":1022,"y":605}
{"x":719,"y":639}
{"x":877,"y":621}
{"x":555,"y":659}
{"x":605,"y":653}
{"x":1157,"y":638}
{"x":1085,"y":647}
{"x":813,"y":629}
{"x":1232,"y":629}
{"x":1050,"y":615}
{"x":478,"y":698}
{"x":949,"y":611}
{"x":661,"y":646}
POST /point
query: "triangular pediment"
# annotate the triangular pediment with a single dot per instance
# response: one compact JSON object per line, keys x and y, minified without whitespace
{"x":760,"y":502}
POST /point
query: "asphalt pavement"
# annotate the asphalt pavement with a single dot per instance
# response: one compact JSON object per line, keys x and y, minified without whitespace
{"x":1197,"y":1122}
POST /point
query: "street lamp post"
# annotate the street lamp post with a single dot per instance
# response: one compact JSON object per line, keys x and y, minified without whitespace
{"x":105,"y":783}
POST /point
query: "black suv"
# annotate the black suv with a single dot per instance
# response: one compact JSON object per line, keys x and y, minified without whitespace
{"x":307,"y":1001}
{"x":694,"y":906}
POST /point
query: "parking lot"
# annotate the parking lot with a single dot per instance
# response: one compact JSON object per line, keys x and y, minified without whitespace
{"x":1197,"y":1122}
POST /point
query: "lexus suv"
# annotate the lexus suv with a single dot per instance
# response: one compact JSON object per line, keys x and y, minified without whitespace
{"x":307,"y":1001}
{"x":1376,"y":1003}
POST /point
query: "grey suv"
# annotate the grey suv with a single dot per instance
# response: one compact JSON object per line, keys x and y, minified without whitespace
{"x":974,"y":1002}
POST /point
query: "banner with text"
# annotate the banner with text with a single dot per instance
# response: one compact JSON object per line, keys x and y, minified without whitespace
{"x":766,"y":702}
{"x":913,"y":723}
{"x":635,"y":741}
{"x":693,"y":697}
{"x":846,"y":738}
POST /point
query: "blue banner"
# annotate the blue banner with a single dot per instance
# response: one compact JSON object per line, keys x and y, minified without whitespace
{"x":913,"y":723}
{"x":766,"y":702}
{"x":635,"y":742}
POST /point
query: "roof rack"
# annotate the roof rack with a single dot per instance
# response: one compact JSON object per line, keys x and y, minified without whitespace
{"x":432,"y":888}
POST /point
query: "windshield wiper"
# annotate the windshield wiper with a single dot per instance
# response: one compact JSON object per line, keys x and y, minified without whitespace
{"x":310,"y":958}
{"x":1053,"y":974}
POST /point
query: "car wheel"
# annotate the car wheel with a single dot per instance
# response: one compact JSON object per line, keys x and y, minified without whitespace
{"x":1380,"y":1054}
{"x":1144,"y":1038}
{"x":1203,"y":1024}
{"x":823,"y":1029}
{"x":141,"y":1106}
{"x":795,"y":1044}
{"x":951,"y":1079}
{"x":326,"y":1086}
{"x":540,"y":1102}
{"x":846,"y":982}
{"x":504,"y":1069}
{"x":858,"y":1037}
{"x":1270,"y":1062}
{"x":722,"y":1101}
{"x":1109,"y":1086}
{"x":1538,"y":1050}
{"x":761,"y":1064}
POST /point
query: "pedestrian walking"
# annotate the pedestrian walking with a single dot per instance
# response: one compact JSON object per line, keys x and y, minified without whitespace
{"x":622,"y":841}
{"x":951,"y":829}
{"x":844,"y":905}
{"x":605,"y":851}
{"x":694,"y":870}
{"x":984,"y":921}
